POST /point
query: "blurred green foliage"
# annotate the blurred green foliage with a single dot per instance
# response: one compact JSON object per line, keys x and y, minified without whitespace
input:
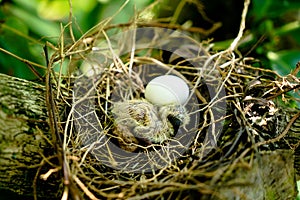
{"x":278,"y":21}
{"x":25,"y":26}
{"x":272,"y":34}
{"x":273,"y":28}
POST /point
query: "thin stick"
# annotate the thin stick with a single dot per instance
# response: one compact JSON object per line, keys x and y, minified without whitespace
{"x":30,"y":64}
{"x":296,"y":70}
{"x":284,"y":132}
{"x":70,"y":21}
{"x":235,"y":42}
{"x":84,"y":188}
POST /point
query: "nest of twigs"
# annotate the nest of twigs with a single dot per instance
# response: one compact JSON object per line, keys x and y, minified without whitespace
{"x":232,"y":110}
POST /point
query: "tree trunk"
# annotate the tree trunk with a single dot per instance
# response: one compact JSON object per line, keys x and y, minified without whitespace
{"x":26,"y":153}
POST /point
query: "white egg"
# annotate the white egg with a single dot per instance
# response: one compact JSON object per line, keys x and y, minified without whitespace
{"x":167,"y":89}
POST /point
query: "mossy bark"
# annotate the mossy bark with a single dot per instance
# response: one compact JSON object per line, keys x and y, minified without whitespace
{"x":26,"y":152}
{"x":24,"y":138}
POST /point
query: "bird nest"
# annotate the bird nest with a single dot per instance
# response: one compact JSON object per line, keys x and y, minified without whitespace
{"x":118,"y":145}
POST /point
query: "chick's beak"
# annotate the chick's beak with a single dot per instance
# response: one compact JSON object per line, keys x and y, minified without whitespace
{"x":175,"y":123}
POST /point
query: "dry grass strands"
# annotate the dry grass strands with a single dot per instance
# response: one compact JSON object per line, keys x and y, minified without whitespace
{"x":114,"y":144}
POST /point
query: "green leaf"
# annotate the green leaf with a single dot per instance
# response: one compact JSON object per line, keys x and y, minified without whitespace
{"x":132,"y":8}
{"x":42,"y":28}
{"x":264,"y":9}
{"x":284,"y":61}
{"x":14,"y":38}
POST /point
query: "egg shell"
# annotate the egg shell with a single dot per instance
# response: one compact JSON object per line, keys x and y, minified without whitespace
{"x":167,"y":89}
